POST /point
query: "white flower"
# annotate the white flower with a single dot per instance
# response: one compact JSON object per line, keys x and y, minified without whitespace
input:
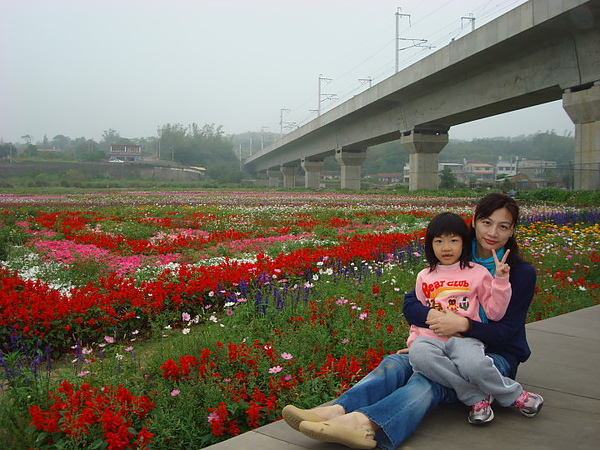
{"x":185,"y":331}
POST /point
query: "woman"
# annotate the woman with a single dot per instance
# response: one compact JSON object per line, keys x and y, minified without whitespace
{"x":385,"y":407}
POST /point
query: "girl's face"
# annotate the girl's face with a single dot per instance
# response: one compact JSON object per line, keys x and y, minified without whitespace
{"x":493,"y":232}
{"x":447,"y":248}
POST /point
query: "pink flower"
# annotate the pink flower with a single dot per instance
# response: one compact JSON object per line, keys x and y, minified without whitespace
{"x":185,"y":317}
{"x":363,"y":316}
{"x":128,"y":349}
{"x":212,"y":417}
{"x":275,"y":369}
{"x":175,"y":392}
{"x":109,"y":339}
{"x":286,"y":355}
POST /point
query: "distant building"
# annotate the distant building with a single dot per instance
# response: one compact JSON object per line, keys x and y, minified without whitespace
{"x":533,"y":168}
{"x":524,"y":173}
{"x":455,"y":167}
{"x":506,"y":167}
{"x":480,"y":174}
{"x":125,"y":152}
{"x":389,"y":178}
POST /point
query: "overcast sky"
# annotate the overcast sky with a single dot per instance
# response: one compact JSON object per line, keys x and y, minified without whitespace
{"x":80,"y":67}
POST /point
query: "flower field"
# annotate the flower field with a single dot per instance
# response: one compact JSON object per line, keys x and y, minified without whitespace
{"x":179,"y":319}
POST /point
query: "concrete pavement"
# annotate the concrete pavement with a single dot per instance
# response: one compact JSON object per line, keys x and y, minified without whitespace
{"x":564,"y":367}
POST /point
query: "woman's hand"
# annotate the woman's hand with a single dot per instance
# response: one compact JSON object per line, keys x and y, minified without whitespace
{"x":447,"y":323}
{"x":502,"y":269}
{"x":402,"y":351}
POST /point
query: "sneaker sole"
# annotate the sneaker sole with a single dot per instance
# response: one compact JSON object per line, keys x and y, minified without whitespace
{"x":530,"y":415}
{"x":482,"y":422}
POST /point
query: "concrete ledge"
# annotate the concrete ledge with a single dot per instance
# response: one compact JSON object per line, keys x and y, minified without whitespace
{"x":564,"y":368}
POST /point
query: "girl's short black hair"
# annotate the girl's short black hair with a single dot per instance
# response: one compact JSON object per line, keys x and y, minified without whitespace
{"x":447,"y":224}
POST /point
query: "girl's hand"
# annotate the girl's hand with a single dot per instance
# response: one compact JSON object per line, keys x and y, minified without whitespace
{"x":448,"y":323}
{"x":502,"y":269}
{"x":402,"y":351}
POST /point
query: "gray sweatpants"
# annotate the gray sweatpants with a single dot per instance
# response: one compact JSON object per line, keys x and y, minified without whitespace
{"x":461,"y":364}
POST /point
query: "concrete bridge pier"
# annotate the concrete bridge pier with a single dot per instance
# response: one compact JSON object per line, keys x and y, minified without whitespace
{"x":583,"y":108}
{"x":312,"y":170}
{"x":289,"y":176}
{"x":424,"y":147}
{"x":351,"y":161}
{"x":273,"y":176}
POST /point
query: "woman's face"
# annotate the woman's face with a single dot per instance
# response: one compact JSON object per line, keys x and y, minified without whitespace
{"x":493,"y":232}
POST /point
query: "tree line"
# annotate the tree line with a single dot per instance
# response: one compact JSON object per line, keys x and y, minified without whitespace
{"x":209,"y":147}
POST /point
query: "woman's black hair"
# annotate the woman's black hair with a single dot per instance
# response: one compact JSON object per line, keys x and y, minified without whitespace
{"x":486,"y":207}
{"x":447,"y":224}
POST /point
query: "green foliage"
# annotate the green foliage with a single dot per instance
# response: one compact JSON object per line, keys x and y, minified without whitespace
{"x":11,"y":236}
{"x":195,"y":146}
{"x":26,"y":379}
{"x":83,"y":271}
{"x":560,"y":196}
{"x":129,"y":229}
{"x":543,"y":146}
{"x":447,"y":179}
{"x":385,"y":158}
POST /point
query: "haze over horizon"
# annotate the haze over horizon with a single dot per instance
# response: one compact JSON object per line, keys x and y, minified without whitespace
{"x":80,"y":68}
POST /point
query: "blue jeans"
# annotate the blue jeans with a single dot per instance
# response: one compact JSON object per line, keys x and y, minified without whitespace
{"x":397,"y":399}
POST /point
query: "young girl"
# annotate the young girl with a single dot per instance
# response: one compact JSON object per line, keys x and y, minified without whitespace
{"x":452,"y":282}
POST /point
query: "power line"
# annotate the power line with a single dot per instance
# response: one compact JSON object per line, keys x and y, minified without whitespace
{"x":441,"y":36}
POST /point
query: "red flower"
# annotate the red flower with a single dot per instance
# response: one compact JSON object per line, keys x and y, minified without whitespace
{"x":170,"y":370}
{"x":118,"y":440}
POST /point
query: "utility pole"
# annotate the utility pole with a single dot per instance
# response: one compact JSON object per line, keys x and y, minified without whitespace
{"x":159,"y":133}
{"x":320,"y":95}
{"x":365,"y":80}
{"x":415,"y":42}
{"x":283,"y":110}
{"x":398,"y":16}
{"x":262,"y":139}
{"x":471,"y":18}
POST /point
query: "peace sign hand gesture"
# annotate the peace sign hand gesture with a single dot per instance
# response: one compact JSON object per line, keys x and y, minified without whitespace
{"x":502,"y":269}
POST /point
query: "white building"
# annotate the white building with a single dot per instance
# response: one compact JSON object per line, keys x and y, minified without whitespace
{"x":125,"y":152}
